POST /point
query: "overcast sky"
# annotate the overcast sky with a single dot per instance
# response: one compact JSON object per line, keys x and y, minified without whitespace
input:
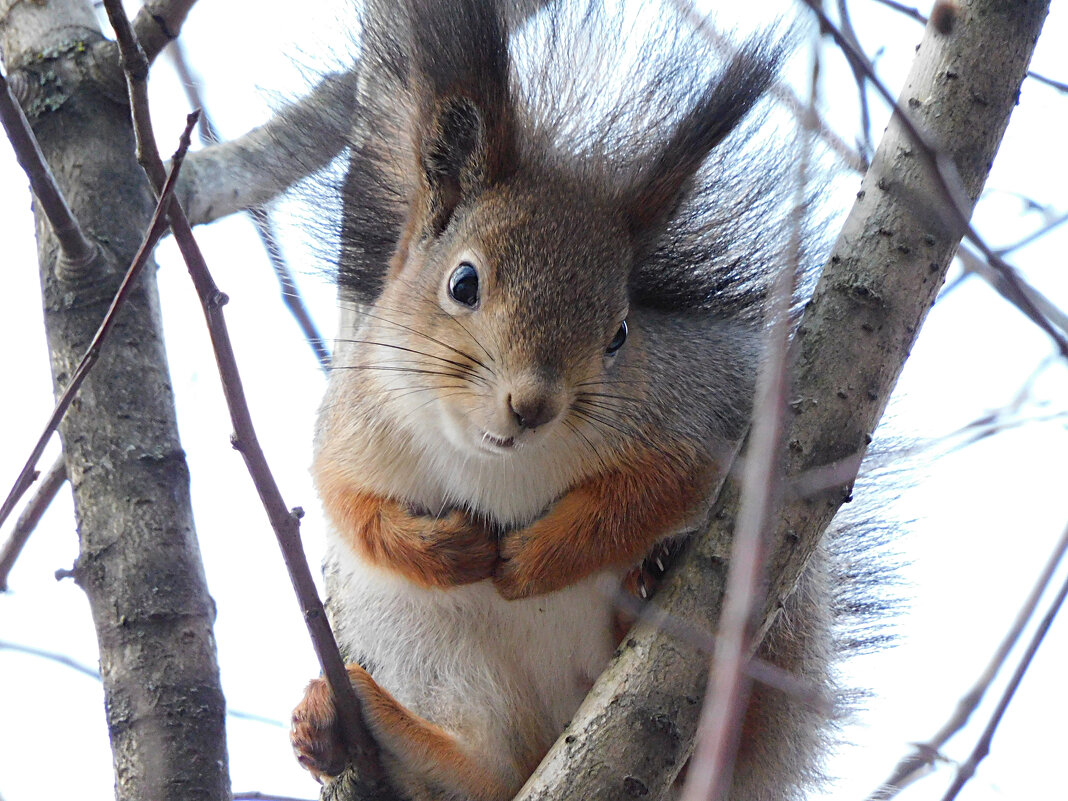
{"x":976,"y":524}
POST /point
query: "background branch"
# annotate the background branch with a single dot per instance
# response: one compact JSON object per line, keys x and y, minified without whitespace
{"x":291,"y":294}
{"x":31,"y":515}
{"x":967,"y":769}
{"x":300,"y":139}
{"x":910,"y":768}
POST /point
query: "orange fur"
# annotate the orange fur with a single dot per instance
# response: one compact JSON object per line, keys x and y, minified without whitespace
{"x":442,"y":551}
{"x":610,"y":520}
{"x":430,"y":750}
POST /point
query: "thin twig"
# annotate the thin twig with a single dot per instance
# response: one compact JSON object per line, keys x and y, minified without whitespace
{"x":865,"y":115}
{"x":948,"y":182}
{"x":1056,"y":222}
{"x":912,"y":765}
{"x":967,"y":768}
{"x":31,"y":515}
{"x":1038,"y":305}
{"x":291,"y":294}
{"x":719,"y":729}
{"x":93,"y":673}
{"x":920,"y":17}
{"x":51,"y":656}
{"x":155,"y":231}
{"x":77,"y":252}
{"x":286,"y":523}
{"x":702,"y":639}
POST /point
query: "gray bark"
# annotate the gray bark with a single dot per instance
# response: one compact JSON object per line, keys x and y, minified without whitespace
{"x":857,"y":331}
{"x":139,"y":562}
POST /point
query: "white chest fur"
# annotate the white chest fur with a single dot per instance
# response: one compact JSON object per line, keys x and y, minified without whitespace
{"x":470,"y":661}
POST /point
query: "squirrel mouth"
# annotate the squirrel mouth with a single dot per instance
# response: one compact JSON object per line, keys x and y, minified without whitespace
{"x":497,"y":442}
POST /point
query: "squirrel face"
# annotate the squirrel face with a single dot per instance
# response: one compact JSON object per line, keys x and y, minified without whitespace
{"x":525,"y":329}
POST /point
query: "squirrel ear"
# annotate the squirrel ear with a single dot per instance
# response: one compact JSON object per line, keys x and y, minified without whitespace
{"x":452,"y":159}
{"x":660,"y":185}
{"x":461,"y":74}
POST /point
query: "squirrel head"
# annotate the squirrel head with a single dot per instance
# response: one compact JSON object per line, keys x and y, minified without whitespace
{"x":513,"y":263}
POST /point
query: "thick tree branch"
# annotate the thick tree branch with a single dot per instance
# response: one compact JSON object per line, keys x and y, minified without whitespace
{"x":255,"y":168}
{"x":285,"y":522}
{"x":139,"y":563}
{"x":156,"y":229}
{"x":158,"y":23}
{"x":856,"y":333}
{"x":920,"y":17}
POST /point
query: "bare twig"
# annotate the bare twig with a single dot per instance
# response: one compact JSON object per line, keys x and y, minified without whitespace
{"x":158,"y":23}
{"x":911,"y":766}
{"x":93,"y":673}
{"x":865,"y":116}
{"x":1056,"y":222}
{"x":77,"y":252}
{"x":967,"y":768}
{"x":1037,"y":306}
{"x":51,"y":656}
{"x":27,"y":522}
{"x":701,"y":638}
{"x":719,"y":729}
{"x":156,"y":230}
{"x":920,"y":17}
{"x":291,"y":294}
{"x":948,"y":182}
{"x":286,"y":523}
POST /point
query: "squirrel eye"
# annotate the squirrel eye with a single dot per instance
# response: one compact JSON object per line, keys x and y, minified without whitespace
{"x":463,"y":284}
{"x":618,"y":339}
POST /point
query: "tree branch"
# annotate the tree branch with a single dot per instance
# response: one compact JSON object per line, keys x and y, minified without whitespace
{"x":299,"y":140}
{"x":78,"y":253}
{"x":982,"y":747}
{"x":156,"y":229}
{"x":285,"y":522}
{"x":916,"y":14}
{"x":854,"y":337}
{"x":158,"y":23}
{"x":31,"y":515}
{"x":909,"y":769}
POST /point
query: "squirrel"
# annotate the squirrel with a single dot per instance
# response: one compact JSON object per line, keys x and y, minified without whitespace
{"x":556,"y":318}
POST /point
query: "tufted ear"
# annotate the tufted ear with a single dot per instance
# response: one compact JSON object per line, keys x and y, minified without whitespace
{"x":659,"y":186}
{"x":465,"y":118}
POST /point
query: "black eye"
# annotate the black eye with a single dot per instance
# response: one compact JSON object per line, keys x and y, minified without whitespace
{"x":618,"y":339}
{"x":463,"y":284}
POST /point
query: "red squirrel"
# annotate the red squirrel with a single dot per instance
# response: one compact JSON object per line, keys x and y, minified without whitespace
{"x":551,"y":344}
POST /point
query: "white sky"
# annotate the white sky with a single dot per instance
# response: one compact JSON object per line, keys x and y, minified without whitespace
{"x":982,"y":519}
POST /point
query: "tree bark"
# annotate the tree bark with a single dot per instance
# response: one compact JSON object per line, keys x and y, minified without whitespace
{"x":139,"y":561}
{"x":636,"y":728}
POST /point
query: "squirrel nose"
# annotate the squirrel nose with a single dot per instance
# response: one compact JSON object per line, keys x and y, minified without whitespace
{"x":533,"y":410}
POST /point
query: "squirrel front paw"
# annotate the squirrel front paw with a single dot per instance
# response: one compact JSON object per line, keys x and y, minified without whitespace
{"x":315,"y":734}
{"x":529,"y":567}
{"x":454,"y":550}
